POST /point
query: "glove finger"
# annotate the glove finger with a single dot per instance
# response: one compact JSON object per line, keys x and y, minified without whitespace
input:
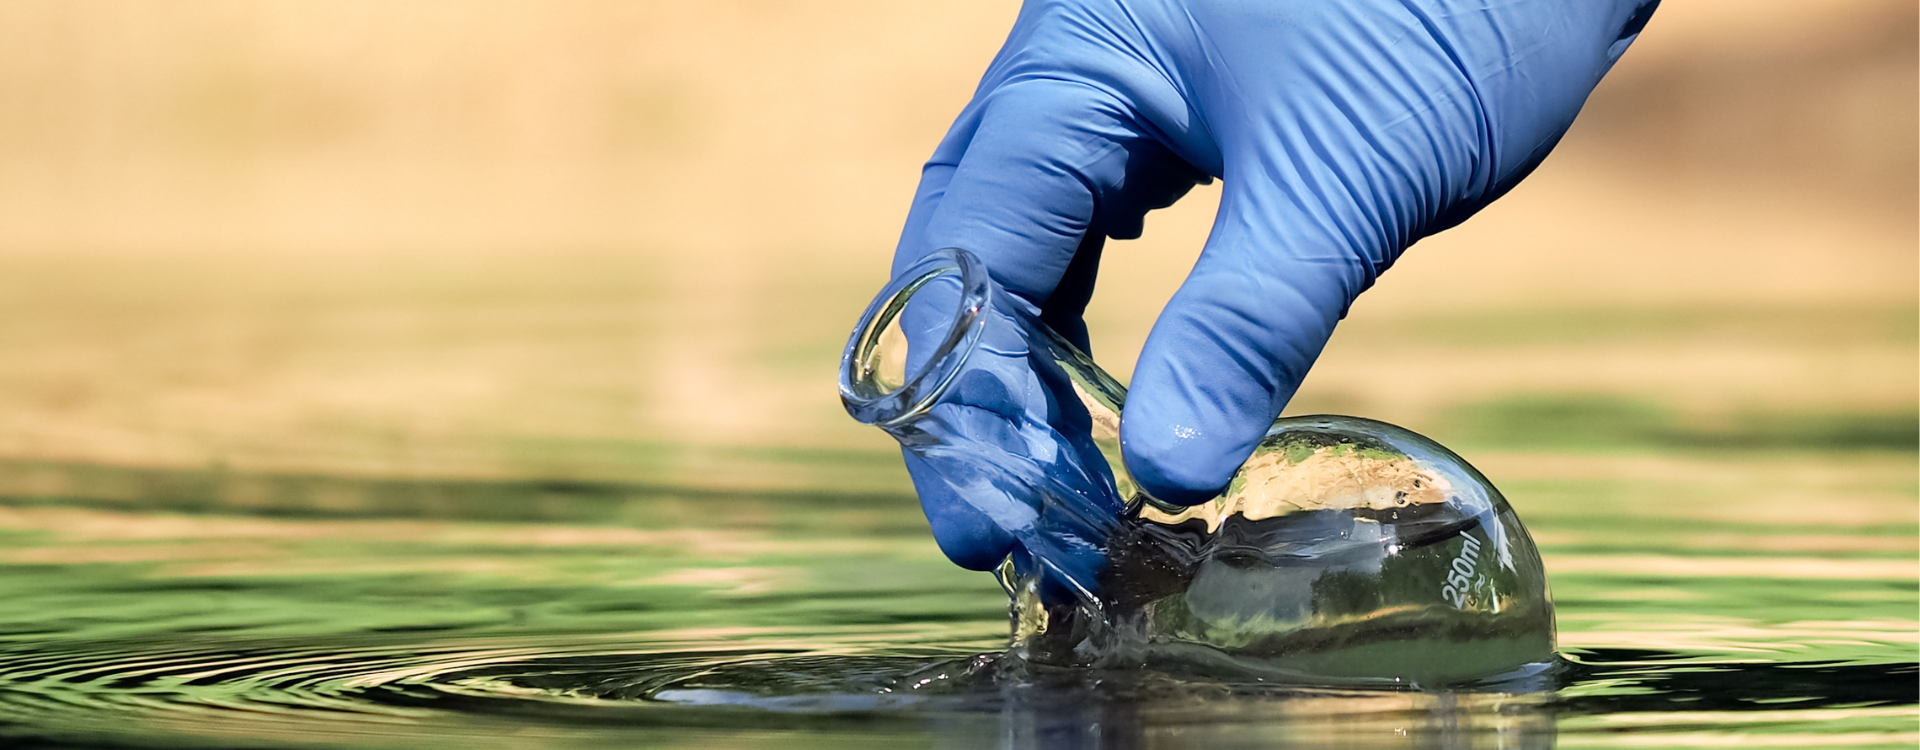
{"x":1339,"y":156}
{"x":1067,"y":306}
{"x":1040,"y":169}
{"x":965,"y":534}
{"x":1021,"y":181}
{"x":1233,"y":345}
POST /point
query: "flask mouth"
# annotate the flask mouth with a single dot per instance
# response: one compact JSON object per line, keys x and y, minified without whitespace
{"x":885,"y":377}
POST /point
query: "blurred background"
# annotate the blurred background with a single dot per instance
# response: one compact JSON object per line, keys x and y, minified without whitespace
{"x":346,"y":345}
{"x":625,"y":241}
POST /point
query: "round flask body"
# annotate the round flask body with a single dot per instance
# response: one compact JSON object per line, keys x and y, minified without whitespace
{"x":1343,"y":548}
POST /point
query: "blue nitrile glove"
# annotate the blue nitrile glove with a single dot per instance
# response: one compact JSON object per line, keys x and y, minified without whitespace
{"x":1345,"y":131}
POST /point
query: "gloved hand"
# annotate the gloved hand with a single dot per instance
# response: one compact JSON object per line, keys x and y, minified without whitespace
{"x":1345,"y":131}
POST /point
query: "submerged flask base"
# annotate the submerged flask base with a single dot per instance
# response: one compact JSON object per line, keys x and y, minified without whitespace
{"x":1344,"y":550}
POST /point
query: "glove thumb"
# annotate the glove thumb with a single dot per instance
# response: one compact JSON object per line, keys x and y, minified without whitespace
{"x":1233,"y":345}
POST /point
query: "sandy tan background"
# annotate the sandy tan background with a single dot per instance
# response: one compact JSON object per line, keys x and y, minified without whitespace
{"x":621,"y":239}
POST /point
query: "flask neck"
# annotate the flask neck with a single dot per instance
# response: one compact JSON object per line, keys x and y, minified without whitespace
{"x":914,"y":339}
{"x":995,"y":410}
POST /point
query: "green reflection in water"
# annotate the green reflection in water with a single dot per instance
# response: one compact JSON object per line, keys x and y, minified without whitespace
{"x":1713,"y":598}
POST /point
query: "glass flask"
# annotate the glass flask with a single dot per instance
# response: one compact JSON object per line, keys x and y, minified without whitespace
{"x":1344,"y":549}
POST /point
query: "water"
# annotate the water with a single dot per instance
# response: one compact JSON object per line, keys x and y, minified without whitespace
{"x":1704,"y":600}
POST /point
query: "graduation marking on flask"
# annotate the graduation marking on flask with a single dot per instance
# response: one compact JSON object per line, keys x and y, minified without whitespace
{"x":1462,"y":578}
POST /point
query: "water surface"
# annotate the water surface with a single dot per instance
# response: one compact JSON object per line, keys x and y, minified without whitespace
{"x":1700,"y":604}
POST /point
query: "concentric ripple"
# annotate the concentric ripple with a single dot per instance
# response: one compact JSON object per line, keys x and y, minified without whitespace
{"x":501,"y":693}
{"x":363,"y":693}
{"x":423,"y":685}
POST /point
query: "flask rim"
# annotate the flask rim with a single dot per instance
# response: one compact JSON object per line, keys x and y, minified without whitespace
{"x":863,"y":397}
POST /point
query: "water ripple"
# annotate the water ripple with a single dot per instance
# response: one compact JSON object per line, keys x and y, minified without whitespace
{"x":480,"y":692}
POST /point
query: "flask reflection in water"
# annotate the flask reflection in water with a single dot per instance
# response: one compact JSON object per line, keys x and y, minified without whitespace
{"x":1344,"y":548}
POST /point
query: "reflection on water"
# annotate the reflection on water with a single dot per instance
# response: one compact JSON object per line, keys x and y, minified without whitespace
{"x":328,"y":611}
{"x":471,"y":693}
